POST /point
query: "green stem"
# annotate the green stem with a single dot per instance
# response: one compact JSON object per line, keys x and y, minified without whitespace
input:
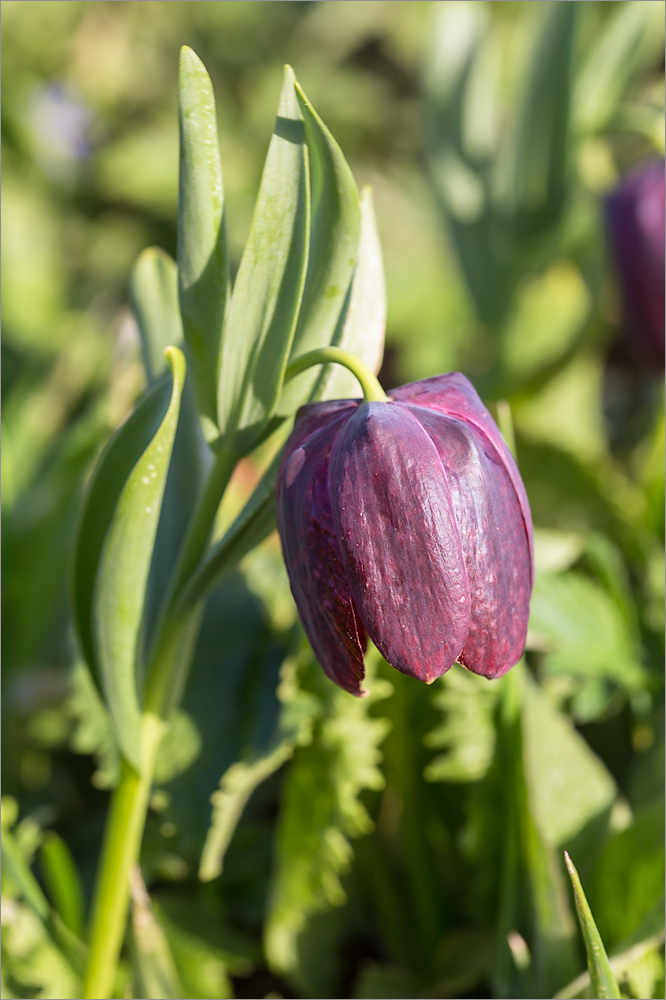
{"x":372,"y":390}
{"x":169,"y":663}
{"x":120,"y":851}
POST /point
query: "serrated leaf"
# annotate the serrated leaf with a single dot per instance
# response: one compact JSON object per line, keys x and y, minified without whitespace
{"x":631,"y":39}
{"x":203,"y":265}
{"x":467,"y":733}
{"x":333,"y":253}
{"x":601,"y":975}
{"x":269,"y":285}
{"x":362,"y":333}
{"x":113,"y":468}
{"x":120,"y":587}
{"x":321,"y":810}
{"x":153,"y":294}
{"x":294,"y":728}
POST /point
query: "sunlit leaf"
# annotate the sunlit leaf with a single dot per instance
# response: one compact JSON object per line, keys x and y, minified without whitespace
{"x":334,"y":242}
{"x":362,"y":333}
{"x":120,"y":586}
{"x":155,"y":972}
{"x":154,"y":297}
{"x":269,"y":285}
{"x":113,"y":468}
{"x":203,"y":266}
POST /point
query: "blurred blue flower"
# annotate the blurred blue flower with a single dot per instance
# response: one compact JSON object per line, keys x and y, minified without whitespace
{"x":58,"y":124}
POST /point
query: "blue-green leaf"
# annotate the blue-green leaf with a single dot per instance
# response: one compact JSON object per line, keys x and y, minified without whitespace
{"x":154,"y":298}
{"x":334,"y":241}
{"x":114,"y":466}
{"x":120,"y":590}
{"x":601,"y":975}
{"x":269,"y":285}
{"x":362,"y":333}
{"x":203,"y":266}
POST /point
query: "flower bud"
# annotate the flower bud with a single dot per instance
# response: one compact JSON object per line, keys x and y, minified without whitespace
{"x":406,"y":521}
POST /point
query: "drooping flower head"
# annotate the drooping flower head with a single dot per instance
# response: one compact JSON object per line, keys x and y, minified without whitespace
{"x":406,"y":521}
{"x":635,"y":212}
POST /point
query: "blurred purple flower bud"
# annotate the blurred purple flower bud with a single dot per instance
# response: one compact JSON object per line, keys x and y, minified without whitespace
{"x":406,"y":521}
{"x":635,"y":212}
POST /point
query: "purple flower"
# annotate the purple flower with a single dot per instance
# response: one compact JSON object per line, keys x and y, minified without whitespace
{"x":406,"y":521}
{"x":635,"y":213}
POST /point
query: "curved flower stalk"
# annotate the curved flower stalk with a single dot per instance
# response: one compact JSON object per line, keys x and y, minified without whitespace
{"x":406,"y":521}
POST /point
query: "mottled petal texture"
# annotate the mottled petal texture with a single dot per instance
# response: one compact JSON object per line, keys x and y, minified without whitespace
{"x":492,"y":530}
{"x":407,"y":521}
{"x":455,"y":395}
{"x":313,"y":557}
{"x":393,"y":515}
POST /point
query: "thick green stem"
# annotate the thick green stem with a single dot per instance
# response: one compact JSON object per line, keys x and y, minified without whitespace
{"x":372,"y":390}
{"x":169,"y":663}
{"x":120,"y":851}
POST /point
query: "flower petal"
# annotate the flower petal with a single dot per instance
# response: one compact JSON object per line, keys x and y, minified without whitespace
{"x":394,"y":519}
{"x":313,"y":557}
{"x":455,"y":395}
{"x":494,"y":541}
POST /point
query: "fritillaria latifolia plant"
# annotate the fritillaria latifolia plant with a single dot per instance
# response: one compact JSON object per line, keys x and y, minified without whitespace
{"x":402,"y":518}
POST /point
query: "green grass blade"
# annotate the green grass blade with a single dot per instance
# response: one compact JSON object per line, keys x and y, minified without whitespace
{"x":601,"y":975}
{"x":63,"y":882}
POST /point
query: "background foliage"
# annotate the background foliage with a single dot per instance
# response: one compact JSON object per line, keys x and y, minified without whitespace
{"x":300,"y":842}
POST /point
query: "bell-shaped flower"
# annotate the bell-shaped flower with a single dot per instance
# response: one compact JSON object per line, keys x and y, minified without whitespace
{"x":406,"y":521}
{"x":635,"y":212}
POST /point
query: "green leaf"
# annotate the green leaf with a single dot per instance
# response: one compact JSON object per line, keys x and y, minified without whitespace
{"x":153,"y":295}
{"x":585,"y":636}
{"x":203,"y":265}
{"x":293,"y":728}
{"x":113,"y":468}
{"x":155,"y":972}
{"x":601,"y":974}
{"x":570,"y":789}
{"x":334,"y":248}
{"x":120,"y":588}
{"x":321,"y":809}
{"x":540,"y":153}
{"x":362,"y":333}
{"x":468,"y":730}
{"x":254,"y":523}
{"x":632,"y":39}
{"x":63,"y":882}
{"x":269,"y":285}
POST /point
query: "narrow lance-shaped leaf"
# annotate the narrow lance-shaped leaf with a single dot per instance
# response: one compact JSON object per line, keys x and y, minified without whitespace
{"x":203,"y":266}
{"x":601,"y":974}
{"x":154,"y":298}
{"x":543,"y":125}
{"x":365,"y":321}
{"x":120,"y":590}
{"x":269,"y":285}
{"x":115,"y":464}
{"x":334,"y":239}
